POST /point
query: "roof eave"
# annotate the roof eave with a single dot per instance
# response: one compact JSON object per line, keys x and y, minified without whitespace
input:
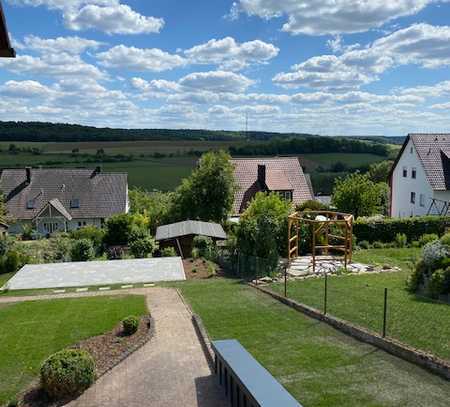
{"x":7,"y":51}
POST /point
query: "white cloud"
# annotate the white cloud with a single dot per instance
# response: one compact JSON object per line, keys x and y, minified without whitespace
{"x":51,"y":65}
{"x":24,"y":89}
{"x":216,"y":81}
{"x":70,"y":45}
{"x":420,"y":44}
{"x":116,"y":19}
{"x":138,"y":59}
{"x":230,"y":55}
{"x":109,"y":16}
{"x":316,"y":17}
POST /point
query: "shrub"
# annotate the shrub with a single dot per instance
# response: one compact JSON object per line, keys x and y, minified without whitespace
{"x":415,"y":243}
{"x":445,"y":240}
{"x":4,"y":246}
{"x":401,"y":240}
{"x":130,"y":325}
{"x":427,"y":238}
{"x":378,"y":245}
{"x":417,"y":277}
{"x":364,"y":244}
{"x":67,"y":373}
{"x":312,"y":205}
{"x":94,"y":234}
{"x":195,"y":253}
{"x":12,"y":262}
{"x":60,"y":248}
{"x":82,"y":250}
{"x":118,"y":230}
{"x":436,"y":283}
{"x":143,"y":247}
{"x":168,"y":252}
{"x":433,"y":253}
{"x":383,"y":229}
{"x":205,"y":246}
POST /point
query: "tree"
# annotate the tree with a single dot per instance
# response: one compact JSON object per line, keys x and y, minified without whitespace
{"x":2,"y":208}
{"x":156,"y":206}
{"x":82,"y":250}
{"x":208,"y":194}
{"x":143,"y":247}
{"x":262,"y":229}
{"x":379,"y":172}
{"x":358,"y":195}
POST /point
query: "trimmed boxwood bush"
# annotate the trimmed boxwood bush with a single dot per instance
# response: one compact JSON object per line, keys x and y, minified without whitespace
{"x":130,"y":325}
{"x":385,"y":229}
{"x":82,"y":250}
{"x":67,"y":373}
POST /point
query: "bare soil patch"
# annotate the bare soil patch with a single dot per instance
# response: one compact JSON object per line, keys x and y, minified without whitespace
{"x":199,"y":269}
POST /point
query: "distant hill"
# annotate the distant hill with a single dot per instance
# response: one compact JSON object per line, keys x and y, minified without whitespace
{"x":51,"y":132}
{"x":382,"y":139}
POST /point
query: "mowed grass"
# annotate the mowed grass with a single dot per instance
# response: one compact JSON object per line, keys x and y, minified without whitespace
{"x":32,"y":331}
{"x":414,"y":320}
{"x":318,"y":365}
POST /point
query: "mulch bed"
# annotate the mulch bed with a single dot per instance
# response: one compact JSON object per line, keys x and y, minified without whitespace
{"x":108,"y":350}
{"x":197,"y":269}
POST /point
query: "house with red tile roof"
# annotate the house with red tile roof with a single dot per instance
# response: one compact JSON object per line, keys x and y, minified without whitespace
{"x":420,"y":177}
{"x":283,"y":175}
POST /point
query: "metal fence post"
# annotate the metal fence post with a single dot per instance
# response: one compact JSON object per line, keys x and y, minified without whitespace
{"x":385,"y":311}
{"x":325,"y":299}
{"x":285,"y":281}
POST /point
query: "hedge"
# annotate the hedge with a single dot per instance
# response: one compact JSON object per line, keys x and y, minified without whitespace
{"x":386,"y":229}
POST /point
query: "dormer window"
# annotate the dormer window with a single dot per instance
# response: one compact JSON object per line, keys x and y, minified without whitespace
{"x":287,"y":195}
{"x":74,"y":203}
{"x":31,"y":204}
{"x":405,"y":172}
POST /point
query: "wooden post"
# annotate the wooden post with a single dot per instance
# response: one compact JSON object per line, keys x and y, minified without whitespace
{"x":314,"y":247}
{"x":289,"y":239}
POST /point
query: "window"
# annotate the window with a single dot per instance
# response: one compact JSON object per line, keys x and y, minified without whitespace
{"x":413,"y":173}
{"x":411,"y":150}
{"x":51,"y":227}
{"x":405,"y":172}
{"x":82,"y":224}
{"x":30,"y":204}
{"x":413,"y":198}
{"x":422,"y":200}
{"x":287,"y":195}
{"x":74,"y":203}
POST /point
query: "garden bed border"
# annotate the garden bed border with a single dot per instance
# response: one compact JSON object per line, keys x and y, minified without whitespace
{"x":425,"y":360}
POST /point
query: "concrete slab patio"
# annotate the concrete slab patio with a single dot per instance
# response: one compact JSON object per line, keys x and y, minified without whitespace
{"x":93,"y":273}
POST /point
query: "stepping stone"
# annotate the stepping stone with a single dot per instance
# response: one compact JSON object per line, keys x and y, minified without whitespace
{"x":127,"y":286}
{"x":81,"y":290}
{"x":59,"y":291}
{"x":149,"y":285}
{"x":104,"y":289}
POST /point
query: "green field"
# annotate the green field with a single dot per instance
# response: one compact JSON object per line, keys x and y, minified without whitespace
{"x":163,"y":173}
{"x":32,"y":331}
{"x":318,"y":365}
{"x":417,"y":321}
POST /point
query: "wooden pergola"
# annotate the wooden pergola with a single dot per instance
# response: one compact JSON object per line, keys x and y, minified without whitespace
{"x":329,"y":232}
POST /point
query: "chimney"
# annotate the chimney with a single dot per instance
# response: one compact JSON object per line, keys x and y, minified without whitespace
{"x":262,"y":175}
{"x":28,"y":174}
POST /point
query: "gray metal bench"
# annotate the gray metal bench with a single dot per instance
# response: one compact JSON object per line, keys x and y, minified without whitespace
{"x":245,"y":381}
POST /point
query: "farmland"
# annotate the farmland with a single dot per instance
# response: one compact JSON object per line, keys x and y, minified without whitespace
{"x":153,"y":164}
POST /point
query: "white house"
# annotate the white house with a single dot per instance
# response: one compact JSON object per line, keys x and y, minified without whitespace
{"x":62,"y":199}
{"x":420,"y":177}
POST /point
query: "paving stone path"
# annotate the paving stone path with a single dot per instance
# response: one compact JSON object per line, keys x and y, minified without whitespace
{"x":169,"y":371}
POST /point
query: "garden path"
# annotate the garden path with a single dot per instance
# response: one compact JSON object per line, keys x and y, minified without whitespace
{"x":170,"y":370}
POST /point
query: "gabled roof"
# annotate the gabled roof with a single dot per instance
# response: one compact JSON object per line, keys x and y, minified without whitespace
{"x":282,"y":173}
{"x":5,"y":46}
{"x":190,"y":227}
{"x":100,"y":195}
{"x":433,"y":151}
{"x":56,"y":204}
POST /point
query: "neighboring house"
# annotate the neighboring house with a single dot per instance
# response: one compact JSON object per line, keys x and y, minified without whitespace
{"x":52,"y":200}
{"x":6,"y":51}
{"x":283,"y":175}
{"x":420,"y":176}
{"x":181,"y":235}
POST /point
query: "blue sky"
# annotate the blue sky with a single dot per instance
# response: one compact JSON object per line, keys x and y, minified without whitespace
{"x":322,"y":66}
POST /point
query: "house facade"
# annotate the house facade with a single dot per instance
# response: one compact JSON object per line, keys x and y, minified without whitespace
{"x":282,"y":175}
{"x":61,"y":200}
{"x":420,"y":177}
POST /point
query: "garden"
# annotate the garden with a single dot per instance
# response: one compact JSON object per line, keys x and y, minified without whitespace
{"x":39,"y":329}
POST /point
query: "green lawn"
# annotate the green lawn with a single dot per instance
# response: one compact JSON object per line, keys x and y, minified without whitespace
{"x":414,"y":320}
{"x":31,"y":331}
{"x":318,"y":365}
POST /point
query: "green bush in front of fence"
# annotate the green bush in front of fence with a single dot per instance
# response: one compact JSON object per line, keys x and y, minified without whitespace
{"x":385,"y":229}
